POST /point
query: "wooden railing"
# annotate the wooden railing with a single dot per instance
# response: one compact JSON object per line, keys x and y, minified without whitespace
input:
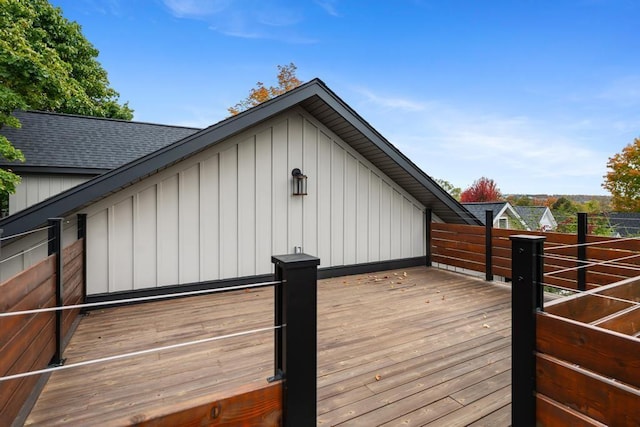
{"x":465,"y":246}
{"x":30,"y":342}
{"x":575,"y":359}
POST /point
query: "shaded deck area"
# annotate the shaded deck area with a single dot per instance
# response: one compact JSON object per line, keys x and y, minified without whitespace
{"x":412,"y":347}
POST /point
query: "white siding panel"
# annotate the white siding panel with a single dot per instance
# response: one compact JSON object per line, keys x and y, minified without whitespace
{"x":98,"y":253}
{"x":281,"y":187}
{"x":294,"y":146}
{"x":190,"y":224}
{"x":385,"y":220}
{"x":121,"y":251}
{"x":323,"y":200}
{"x":247,"y":207}
{"x":168,"y":230}
{"x":210,"y":218}
{"x":407,"y":213}
{"x":337,"y":204}
{"x":263,"y":202}
{"x":229,"y":212}
{"x":362,"y":215}
{"x":374,"y":218}
{"x":146,"y":242}
{"x":36,"y":188}
{"x":310,"y":202}
{"x":350,"y":208}
{"x":417,"y":232}
{"x":396,"y":225}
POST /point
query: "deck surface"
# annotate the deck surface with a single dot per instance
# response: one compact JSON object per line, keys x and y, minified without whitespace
{"x":412,"y":347}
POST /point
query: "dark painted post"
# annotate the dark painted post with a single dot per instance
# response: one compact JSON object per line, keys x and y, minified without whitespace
{"x":55,"y":247}
{"x":526,"y":300}
{"x":82,"y":234}
{"x":428,"y":215}
{"x":582,"y":251}
{"x":488,"y":242}
{"x":296,"y":342}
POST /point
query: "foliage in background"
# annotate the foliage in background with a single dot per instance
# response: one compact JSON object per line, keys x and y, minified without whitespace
{"x":482,"y":190}
{"x":47,"y":64}
{"x":287,"y":80}
{"x":566,"y":213}
{"x":623,"y":178}
{"x":449,"y":188}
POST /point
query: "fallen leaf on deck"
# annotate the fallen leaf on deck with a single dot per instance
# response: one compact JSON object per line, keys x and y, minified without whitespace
{"x":378,"y":377}
{"x":486,"y":326}
{"x":404,"y":274}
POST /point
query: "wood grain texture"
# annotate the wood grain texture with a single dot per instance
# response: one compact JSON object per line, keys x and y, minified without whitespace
{"x":419,"y":346}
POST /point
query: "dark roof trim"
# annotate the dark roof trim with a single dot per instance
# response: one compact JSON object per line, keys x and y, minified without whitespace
{"x":75,"y":198}
{"x":52,"y":170}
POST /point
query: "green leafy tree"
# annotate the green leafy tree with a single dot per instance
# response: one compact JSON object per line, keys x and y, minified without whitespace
{"x":449,"y":188}
{"x":623,"y":178}
{"x":47,"y":64}
{"x":287,"y":80}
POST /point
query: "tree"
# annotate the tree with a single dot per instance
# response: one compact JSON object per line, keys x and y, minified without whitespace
{"x":623,"y":178}
{"x":482,"y":190}
{"x":287,"y":80}
{"x":47,"y":64}
{"x":449,"y":188}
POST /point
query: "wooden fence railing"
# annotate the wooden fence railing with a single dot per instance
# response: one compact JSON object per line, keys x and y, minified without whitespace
{"x":30,"y":341}
{"x":465,"y":246}
{"x":575,"y":360}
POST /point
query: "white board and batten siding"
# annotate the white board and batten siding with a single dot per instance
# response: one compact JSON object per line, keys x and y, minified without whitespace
{"x":224,"y":212}
{"x":35,"y":188}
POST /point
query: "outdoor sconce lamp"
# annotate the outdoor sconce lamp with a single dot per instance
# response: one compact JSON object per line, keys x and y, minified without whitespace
{"x":299,"y":183}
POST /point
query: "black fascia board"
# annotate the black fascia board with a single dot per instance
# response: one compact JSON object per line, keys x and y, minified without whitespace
{"x":77,"y":197}
{"x":55,"y":170}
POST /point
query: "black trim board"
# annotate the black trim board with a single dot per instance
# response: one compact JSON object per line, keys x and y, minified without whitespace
{"x":323,"y":273}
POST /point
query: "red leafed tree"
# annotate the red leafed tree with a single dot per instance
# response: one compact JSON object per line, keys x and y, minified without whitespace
{"x":482,"y":190}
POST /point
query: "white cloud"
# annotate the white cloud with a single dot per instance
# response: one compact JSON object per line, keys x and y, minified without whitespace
{"x":329,"y":6}
{"x":267,"y":19}
{"x":522,"y":154}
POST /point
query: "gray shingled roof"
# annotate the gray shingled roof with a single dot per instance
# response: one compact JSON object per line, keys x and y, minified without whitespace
{"x":82,"y":144}
{"x":531,"y":215}
{"x":478,"y":209}
{"x":627,"y":224}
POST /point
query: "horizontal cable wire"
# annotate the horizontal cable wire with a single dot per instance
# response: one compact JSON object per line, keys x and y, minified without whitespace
{"x":13,"y":236}
{"x":16,"y":255}
{"x":137,"y":353}
{"x":624,"y":239}
{"x":613,"y":262}
{"x":140,"y":299}
{"x":591,"y":264}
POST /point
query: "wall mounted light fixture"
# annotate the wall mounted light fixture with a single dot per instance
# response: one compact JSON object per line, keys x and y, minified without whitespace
{"x":299,"y":182}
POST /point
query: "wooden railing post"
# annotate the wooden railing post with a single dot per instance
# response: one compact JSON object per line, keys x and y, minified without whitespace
{"x":428,"y":216}
{"x":296,"y":341}
{"x":488,"y":237}
{"x":55,"y":247}
{"x":582,"y":251}
{"x":526,"y":299}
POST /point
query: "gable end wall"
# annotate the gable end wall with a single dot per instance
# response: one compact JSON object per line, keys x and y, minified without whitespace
{"x":224,"y":212}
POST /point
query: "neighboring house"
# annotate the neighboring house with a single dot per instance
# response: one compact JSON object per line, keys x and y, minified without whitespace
{"x":625,"y":224}
{"x":504,"y":215}
{"x":63,"y":150}
{"x":537,"y":217}
{"x":216,"y":205}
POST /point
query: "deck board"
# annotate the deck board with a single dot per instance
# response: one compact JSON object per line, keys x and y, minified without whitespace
{"x":419,"y":346}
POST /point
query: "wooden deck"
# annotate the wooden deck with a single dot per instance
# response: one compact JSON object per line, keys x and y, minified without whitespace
{"x":410,"y":347}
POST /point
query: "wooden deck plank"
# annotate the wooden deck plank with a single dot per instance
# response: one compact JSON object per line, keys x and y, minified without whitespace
{"x":410,"y":346}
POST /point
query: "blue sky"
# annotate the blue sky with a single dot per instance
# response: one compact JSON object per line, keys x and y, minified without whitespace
{"x":533,"y":94}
